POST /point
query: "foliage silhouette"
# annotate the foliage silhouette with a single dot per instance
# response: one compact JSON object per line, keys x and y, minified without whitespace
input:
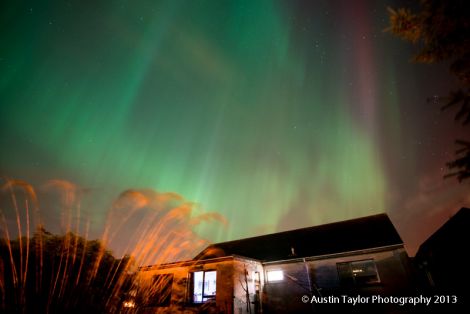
{"x":60,"y":277}
{"x":441,"y":31}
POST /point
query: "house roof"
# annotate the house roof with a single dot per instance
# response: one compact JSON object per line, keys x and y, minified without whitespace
{"x":350,"y":235}
{"x":450,"y":235}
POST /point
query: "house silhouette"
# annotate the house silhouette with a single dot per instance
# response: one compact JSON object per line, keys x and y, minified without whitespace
{"x":276,"y":273}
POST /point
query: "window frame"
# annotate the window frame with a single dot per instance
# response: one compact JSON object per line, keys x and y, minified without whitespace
{"x":204,"y":297}
{"x":353,"y":279}
{"x":268,"y":280}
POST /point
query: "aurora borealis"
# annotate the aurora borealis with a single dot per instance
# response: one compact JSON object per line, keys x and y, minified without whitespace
{"x":275,"y":114}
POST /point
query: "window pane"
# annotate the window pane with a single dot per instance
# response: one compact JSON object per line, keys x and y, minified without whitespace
{"x":210,"y":283}
{"x":204,"y":286}
{"x":357,"y":273}
{"x":344,"y":274}
{"x":197,"y":286}
{"x":364,"y":272}
{"x":275,"y":275}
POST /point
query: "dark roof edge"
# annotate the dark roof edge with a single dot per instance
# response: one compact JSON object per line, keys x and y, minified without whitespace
{"x":440,"y":229}
{"x":291,"y":260}
{"x":191,"y":262}
{"x":197,"y":262}
{"x":305,"y":228}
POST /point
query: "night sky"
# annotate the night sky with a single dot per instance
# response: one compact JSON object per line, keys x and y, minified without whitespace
{"x":275,"y":114}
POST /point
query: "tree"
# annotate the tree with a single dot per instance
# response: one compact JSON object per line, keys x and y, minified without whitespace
{"x":60,"y":276}
{"x":246,"y":289}
{"x":440,"y":30}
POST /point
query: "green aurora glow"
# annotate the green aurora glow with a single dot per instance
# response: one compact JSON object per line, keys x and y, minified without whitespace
{"x":277,"y":115}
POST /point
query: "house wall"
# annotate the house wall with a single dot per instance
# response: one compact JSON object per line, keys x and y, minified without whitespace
{"x":181,"y":296}
{"x":285,"y":296}
{"x":320,"y":277}
{"x":248,"y":276}
{"x":231,"y":288}
{"x":302,"y":277}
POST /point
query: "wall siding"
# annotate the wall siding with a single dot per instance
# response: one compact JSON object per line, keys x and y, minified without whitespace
{"x":285,"y":296}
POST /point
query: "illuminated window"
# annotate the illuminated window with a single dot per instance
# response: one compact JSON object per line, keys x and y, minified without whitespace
{"x":204,"y":286}
{"x":358,"y":273}
{"x":275,"y":275}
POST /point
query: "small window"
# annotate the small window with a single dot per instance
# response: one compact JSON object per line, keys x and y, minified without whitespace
{"x":160,"y":291}
{"x":275,"y":275}
{"x":203,"y":286}
{"x":358,"y":273}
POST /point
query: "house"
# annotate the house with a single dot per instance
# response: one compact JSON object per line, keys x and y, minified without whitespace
{"x":442,"y":259}
{"x":298,"y":271}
